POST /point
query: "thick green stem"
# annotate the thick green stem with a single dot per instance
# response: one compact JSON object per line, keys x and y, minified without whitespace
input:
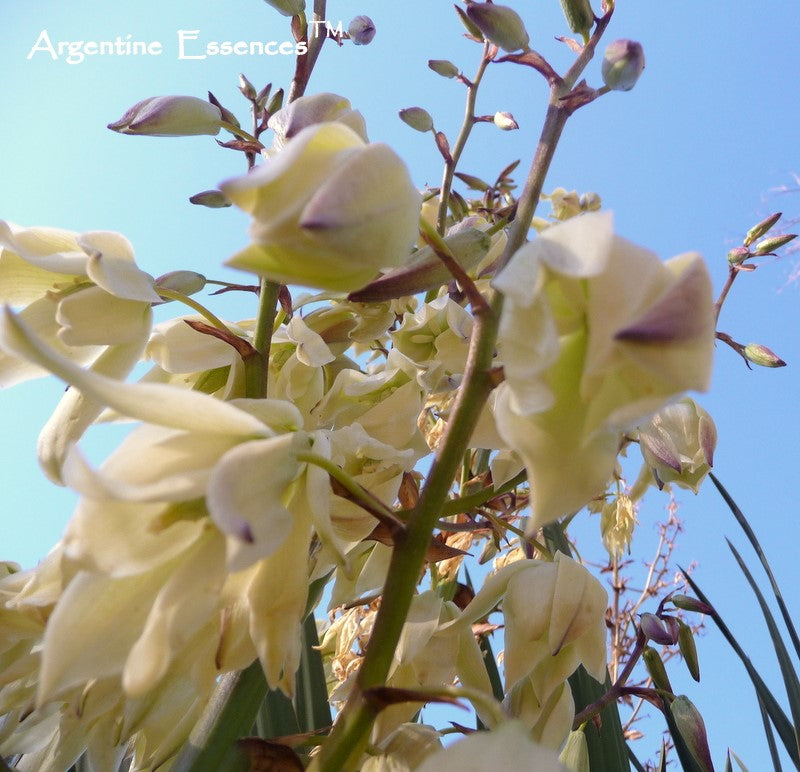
{"x":351,"y":731}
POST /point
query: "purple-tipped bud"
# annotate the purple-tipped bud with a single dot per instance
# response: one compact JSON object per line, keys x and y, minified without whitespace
{"x":361,"y":30}
{"x":770,"y":245}
{"x":655,"y":630}
{"x":738,"y":255}
{"x":761,"y":355}
{"x":623,"y":63}
{"x":757,"y":231}
{"x":417,"y":118}
{"x":213,"y":199}
{"x":687,"y":603}
{"x":505,"y":121}
{"x":443,"y":67}
{"x":690,"y":724}
{"x":170,"y":116}
{"x":247,"y":88}
{"x":499,"y":25}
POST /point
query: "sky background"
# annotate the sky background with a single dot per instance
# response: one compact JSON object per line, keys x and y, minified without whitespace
{"x":701,"y":149}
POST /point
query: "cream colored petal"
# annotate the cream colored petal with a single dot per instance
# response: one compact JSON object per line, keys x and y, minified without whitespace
{"x":111,"y":266}
{"x":51,"y":249}
{"x":75,"y":412}
{"x":507,"y":747}
{"x":188,"y":600}
{"x":111,"y":614}
{"x":245,"y":493}
{"x":126,"y":538}
{"x":177,"y":348}
{"x":40,"y":318}
{"x":93,"y":317}
{"x":22,"y":282}
{"x":276,"y":598}
{"x":155,"y":403}
{"x":579,"y":601}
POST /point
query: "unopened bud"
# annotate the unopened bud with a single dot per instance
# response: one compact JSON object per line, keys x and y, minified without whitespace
{"x":687,"y":603}
{"x":500,"y":25}
{"x":623,"y":63}
{"x":185,"y":282}
{"x":170,"y":116}
{"x":580,"y":16}
{"x":213,"y":199}
{"x":738,"y":255}
{"x":288,"y":7}
{"x":275,"y":103}
{"x":656,"y":670}
{"x":690,"y":724}
{"x":688,"y":650}
{"x":761,"y":355}
{"x":575,"y":753}
{"x":361,"y":30}
{"x":469,"y":25}
{"x":443,"y":67}
{"x":247,"y":88}
{"x":757,"y":231}
{"x":770,"y":245}
{"x":655,"y":631}
{"x":590,"y":202}
{"x":505,"y":121}
{"x":417,"y":118}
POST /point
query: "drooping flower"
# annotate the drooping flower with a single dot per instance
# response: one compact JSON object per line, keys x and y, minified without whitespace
{"x":596,"y":335}
{"x":678,"y":444}
{"x":329,"y":210}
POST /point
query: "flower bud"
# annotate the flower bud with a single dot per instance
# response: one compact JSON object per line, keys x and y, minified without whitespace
{"x":417,"y":118}
{"x":575,"y":753}
{"x":623,"y":63}
{"x":288,"y":7}
{"x":170,"y":116}
{"x":185,"y":282}
{"x":500,"y":25}
{"x":580,"y":16}
{"x":761,"y":355}
{"x":690,"y":724}
{"x":213,"y":199}
{"x":738,"y":255}
{"x":770,"y":245}
{"x":656,"y":670}
{"x":757,"y":231}
{"x":247,"y":88}
{"x":655,"y":630}
{"x":688,"y":650}
{"x":443,"y":67}
{"x":361,"y":30}
{"x":687,"y":603}
{"x":505,"y":121}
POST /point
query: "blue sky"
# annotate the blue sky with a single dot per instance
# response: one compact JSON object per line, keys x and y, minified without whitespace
{"x":688,"y":160}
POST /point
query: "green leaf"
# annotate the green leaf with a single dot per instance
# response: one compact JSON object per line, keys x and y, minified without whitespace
{"x":745,"y":525}
{"x":311,"y":703}
{"x":787,"y":668}
{"x":777,"y":716}
{"x":229,"y":716}
{"x":770,"y":735}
